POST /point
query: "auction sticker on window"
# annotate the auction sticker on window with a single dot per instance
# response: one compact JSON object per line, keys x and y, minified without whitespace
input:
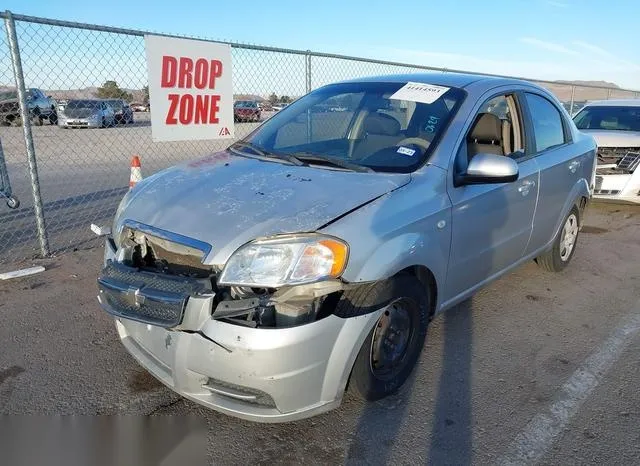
{"x":419,"y":92}
{"x":190,"y":89}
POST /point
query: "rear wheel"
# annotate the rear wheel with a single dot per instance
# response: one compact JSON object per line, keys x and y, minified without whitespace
{"x":558,"y":257}
{"x":392,"y":348}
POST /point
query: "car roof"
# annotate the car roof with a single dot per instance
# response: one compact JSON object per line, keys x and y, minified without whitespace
{"x":614,"y":103}
{"x":460,"y":80}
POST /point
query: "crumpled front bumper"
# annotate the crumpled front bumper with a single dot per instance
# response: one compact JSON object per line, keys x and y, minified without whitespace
{"x":259,"y":374}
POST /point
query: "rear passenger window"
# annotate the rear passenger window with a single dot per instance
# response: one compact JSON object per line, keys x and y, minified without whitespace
{"x":547,"y":122}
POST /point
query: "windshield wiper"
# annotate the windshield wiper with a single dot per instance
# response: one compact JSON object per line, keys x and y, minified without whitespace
{"x":292,"y":159}
{"x":336,"y":162}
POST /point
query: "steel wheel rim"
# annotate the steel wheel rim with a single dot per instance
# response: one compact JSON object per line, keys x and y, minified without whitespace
{"x":568,"y":237}
{"x":391,"y":339}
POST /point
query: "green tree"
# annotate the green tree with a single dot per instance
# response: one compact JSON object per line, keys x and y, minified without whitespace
{"x":273,"y":98}
{"x":111,"y":90}
{"x":145,"y":95}
{"x":285,"y":99}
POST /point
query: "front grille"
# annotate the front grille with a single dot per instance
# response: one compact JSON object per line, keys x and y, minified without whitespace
{"x":145,"y":296}
{"x":629,"y":162}
{"x":624,"y":160}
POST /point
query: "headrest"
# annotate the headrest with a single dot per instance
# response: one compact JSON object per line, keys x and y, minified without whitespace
{"x":381,"y":124}
{"x":488,"y":127}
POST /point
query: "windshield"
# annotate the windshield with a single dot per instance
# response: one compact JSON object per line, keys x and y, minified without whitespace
{"x":117,"y":104}
{"x":84,"y":104}
{"x":245,"y":104}
{"x":616,"y":118}
{"x":358,"y":124}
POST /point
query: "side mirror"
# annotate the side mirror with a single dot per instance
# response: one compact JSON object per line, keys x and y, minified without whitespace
{"x":489,"y":168}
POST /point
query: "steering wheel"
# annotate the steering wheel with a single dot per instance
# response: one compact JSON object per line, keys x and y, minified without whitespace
{"x":417,"y":141}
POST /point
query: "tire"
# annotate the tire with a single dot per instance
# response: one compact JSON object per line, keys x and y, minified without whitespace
{"x":37,"y":119}
{"x":559,"y":256}
{"x":53,"y":119}
{"x":13,"y":202}
{"x":392,"y":348}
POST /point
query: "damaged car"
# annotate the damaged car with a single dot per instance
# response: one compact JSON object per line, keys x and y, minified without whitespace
{"x":309,"y":257}
{"x":615,"y":125}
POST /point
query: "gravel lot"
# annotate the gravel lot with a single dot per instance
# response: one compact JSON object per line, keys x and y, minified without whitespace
{"x":490,"y":368}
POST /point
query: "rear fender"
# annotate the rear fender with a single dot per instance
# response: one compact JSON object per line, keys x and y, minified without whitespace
{"x":579,"y":191}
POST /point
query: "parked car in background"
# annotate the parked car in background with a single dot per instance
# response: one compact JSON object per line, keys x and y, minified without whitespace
{"x":86,"y":113}
{"x":122,"y":112}
{"x":335,"y":237}
{"x":138,"y":107}
{"x":246,"y":110}
{"x":41,"y":107}
{"x":615,"y":125}
{"x":279,"y":106}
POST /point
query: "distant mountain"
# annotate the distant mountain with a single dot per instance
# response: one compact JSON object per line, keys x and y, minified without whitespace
{"x":590,"y":83}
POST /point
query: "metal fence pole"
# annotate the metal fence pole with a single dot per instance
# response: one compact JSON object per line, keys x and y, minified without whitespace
{"x":573,"y":93}
{"x":307,"y":74}
{"x":28,"y":136}
{"x":307,"y":70}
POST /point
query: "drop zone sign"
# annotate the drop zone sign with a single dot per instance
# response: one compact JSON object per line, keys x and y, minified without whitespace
{"x":190,"y":89}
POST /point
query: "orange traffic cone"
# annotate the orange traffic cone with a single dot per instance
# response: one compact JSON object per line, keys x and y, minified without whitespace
{"x":136,"y":172}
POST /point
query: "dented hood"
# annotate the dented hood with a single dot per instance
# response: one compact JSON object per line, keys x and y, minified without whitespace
{"x":227,"y":200}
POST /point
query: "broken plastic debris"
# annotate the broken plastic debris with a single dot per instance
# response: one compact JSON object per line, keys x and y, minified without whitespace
{"x":99,"y":230}
{"x":21,"y":273}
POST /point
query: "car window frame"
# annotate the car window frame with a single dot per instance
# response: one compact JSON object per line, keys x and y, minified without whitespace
{"x":529,"y":128}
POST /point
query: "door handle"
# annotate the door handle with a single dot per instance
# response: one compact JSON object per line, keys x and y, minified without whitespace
{"x":526,"y":186}
{"x":573,"y":166}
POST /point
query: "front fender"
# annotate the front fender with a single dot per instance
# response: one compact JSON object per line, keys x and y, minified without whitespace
{"x":404,"y":251}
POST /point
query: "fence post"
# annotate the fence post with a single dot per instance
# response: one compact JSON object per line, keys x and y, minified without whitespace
{"x":608,"y":93}
{"x":307,"y":70}
{"x":12,"y":37}
{"x":573,"y":93}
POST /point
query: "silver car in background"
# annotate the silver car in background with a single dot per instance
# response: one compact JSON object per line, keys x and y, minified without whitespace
{"x":615,"y":125}
{"x":86,"y":113}
{"x":309,"y":257}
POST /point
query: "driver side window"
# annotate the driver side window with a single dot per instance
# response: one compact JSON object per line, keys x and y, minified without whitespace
{"x":497,"y":129}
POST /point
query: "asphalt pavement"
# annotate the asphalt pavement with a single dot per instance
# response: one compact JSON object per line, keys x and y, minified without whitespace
{"x":538,"y":368}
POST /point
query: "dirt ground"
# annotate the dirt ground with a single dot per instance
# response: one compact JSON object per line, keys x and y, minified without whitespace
{"x":490,"y":368}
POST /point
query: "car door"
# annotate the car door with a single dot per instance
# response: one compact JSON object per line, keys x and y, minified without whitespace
{"x":491,"y":223}
{"x":549,"y":134}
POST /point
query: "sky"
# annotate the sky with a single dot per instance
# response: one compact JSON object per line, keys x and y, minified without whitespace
{"x":543,"y":39}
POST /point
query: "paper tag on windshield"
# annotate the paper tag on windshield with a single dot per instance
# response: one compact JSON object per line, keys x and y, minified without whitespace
{"x":419,"y":92}
{"x":405,"y":151}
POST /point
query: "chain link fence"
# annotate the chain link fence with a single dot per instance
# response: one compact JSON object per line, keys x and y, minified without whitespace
{"x":82,"y":173}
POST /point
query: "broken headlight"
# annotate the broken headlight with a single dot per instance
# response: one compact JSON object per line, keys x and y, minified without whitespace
{"x":286,"y":260}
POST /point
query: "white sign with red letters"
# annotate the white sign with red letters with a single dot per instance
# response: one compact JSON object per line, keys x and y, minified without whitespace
{"x":190,"y":89}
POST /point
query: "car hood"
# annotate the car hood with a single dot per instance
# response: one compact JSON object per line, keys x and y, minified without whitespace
{"x":606,"y":138}
{"x":227,"y":200}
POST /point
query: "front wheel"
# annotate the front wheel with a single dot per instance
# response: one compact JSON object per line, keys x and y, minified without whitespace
{"x":392,"y":348}
{"x":558,"y":257}
{"x":13,"y":202}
